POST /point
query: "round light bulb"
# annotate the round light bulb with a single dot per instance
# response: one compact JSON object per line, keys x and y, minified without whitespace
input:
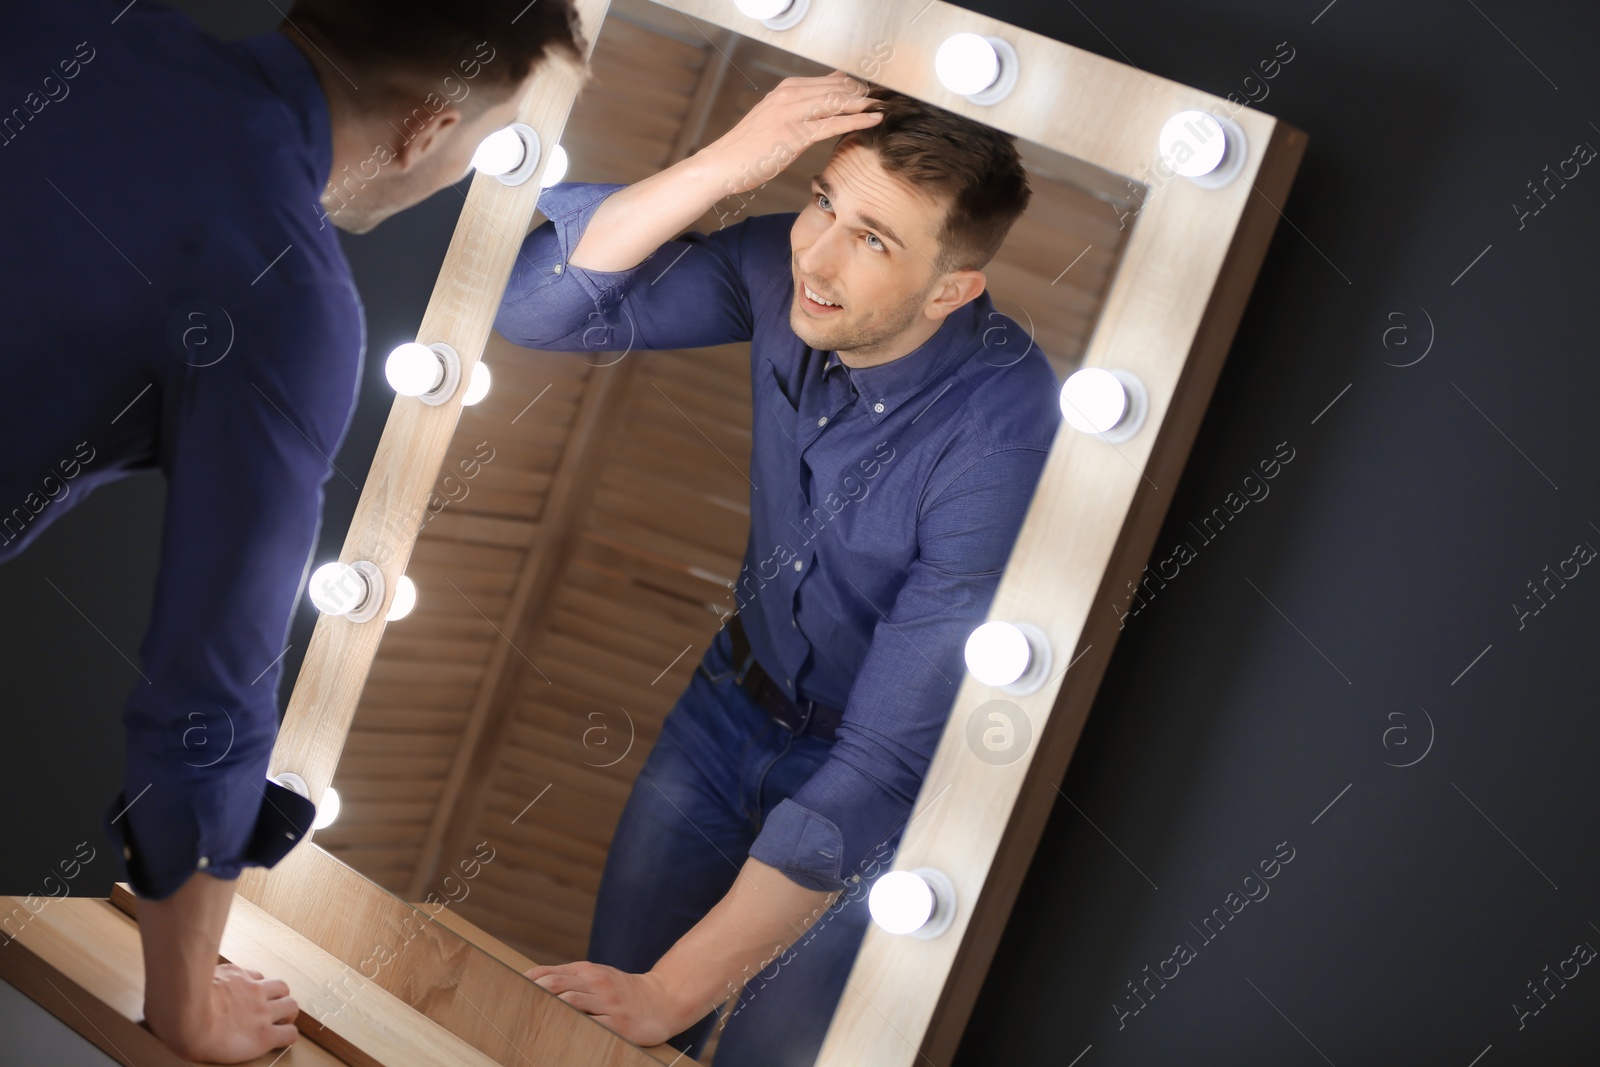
{"x":762,"y":9}
{"x":1093,"y":400}
{"x":998,"y":653}
{"x":328,"y":810}
{"x":337,"y":588}
{"x":1192,"y":143}
{"x":414,"y":369}
{"x":900,"y":902}
{"x":500,"y":152}
{"x":967,"y":63}
{"x":405,"y":598}
{"x":920,"y":902}
{"x":478,"y":387}
{"x":557,"y":168}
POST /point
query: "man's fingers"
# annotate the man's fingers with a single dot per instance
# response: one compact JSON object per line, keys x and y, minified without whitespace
{"x":282,"y":1034}
{"x":838,"y":124}
{"x":558,"y":983}
{"x":829,"y":94}
{"x":276,"y":989}
{"x":584,"y":1001}
{"x":284,"y":1011}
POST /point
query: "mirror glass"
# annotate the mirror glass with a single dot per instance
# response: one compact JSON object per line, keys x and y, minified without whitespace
{"x":583,"y":543}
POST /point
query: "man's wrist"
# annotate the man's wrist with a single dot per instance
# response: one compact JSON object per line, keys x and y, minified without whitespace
{"x":713,"y":177}
{"x":687,"y":997}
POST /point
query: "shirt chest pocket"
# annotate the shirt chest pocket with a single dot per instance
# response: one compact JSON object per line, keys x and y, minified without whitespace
{"x":774,"y":405}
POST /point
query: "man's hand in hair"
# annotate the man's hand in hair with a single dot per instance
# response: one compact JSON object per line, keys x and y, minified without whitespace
{"x":795,"y":115}
{"x":637,"y":220}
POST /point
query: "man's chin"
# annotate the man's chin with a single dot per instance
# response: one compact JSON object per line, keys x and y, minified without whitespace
{"x":351,"y":222}
{"x":805,"y":329}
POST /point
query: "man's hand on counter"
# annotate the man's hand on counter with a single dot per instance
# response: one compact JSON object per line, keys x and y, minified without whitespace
{"x":764,"y":913}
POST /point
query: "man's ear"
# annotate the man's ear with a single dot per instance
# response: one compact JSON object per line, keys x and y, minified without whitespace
{"x":437,"y":126}
{"x":959,"y":288}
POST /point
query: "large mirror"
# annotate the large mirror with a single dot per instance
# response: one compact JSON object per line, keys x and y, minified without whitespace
{"x":583,"y":548}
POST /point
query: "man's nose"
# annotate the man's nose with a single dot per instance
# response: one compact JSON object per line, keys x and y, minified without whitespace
{"x":818,"y":259}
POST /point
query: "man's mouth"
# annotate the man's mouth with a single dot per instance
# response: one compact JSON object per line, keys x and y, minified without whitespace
{"x":815,"y":303}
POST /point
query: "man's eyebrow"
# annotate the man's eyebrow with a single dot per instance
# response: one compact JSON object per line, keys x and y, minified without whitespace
{"x":866,"y":220}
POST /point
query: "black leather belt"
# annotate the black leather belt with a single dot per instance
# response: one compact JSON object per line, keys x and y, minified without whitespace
{"x":798,"y":717}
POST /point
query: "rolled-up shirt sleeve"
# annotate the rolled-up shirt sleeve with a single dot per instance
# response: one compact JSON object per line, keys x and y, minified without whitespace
{"x":246,"y":445}
{"x":861,"y":797}
{"x":689,"y":293}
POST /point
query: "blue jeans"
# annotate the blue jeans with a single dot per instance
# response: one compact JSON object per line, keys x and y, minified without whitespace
{"x":718,"y":769}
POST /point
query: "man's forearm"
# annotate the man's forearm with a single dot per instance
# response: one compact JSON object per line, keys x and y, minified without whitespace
{"x":764,"y":913}
{"x":633,"y":222}
{"x":181,"y":935}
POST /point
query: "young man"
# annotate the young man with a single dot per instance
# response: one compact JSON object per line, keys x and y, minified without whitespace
{"x":900,"y":424}
{"x":179,"y":299}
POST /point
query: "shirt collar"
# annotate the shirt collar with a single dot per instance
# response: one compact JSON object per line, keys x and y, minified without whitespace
{"x":892,"y":384}
{"x":291,"y":75}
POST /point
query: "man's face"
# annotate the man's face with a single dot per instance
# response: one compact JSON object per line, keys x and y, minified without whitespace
{"x":866,"y":244}
{"x":437,"y":156}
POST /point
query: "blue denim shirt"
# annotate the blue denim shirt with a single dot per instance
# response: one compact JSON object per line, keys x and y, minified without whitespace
{"x":175,"y":300}
{"x":884,"y":500}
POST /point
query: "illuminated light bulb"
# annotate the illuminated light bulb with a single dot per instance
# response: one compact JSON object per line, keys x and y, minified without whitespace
{"x":328,"y":810}
{"x":477,"y":385}
{"x":1192,"y":143}
{"x":966,"y":64}
{"x":500,"y":152}
{"x":921,"y":903}
{"x":405,"y":598}
{"x":982,"y":69}
{"x":557,"y":168}
{"x":430,"y":373}
{"x":523,"y":161}
{"x":414,"y":369}
{"x":1109,"y":404}
{"x":352,"y":590}
{"x":336,"y":588}
{"x":774,"y":14}
{"x":1010,"y":656}
{"x":1198,"y":146}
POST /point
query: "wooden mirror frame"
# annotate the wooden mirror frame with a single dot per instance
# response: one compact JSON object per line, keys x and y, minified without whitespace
{"x":1169,"y":318}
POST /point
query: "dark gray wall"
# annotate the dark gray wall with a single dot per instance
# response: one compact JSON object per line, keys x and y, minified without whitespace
{"x":1343,"y":610}
{"x":1357,"y":617}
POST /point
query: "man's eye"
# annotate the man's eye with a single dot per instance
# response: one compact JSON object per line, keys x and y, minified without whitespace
{"x":823,"y":202}
{"x":875,"y":244}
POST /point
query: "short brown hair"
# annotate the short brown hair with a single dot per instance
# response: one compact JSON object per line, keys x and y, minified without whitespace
{"x":975,"y":166}
{"x":400,"y":50}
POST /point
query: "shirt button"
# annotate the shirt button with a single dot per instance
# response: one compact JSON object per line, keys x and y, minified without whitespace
{"x":798,"y":565}
{"x":127,"y":853}
{"x":557,"y":269}
{"x":823,"y":421}
{"x":795,"y":624}
{"x":204,"y":863}
{"x":788,"y":683}
{"x":878,"y":407}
